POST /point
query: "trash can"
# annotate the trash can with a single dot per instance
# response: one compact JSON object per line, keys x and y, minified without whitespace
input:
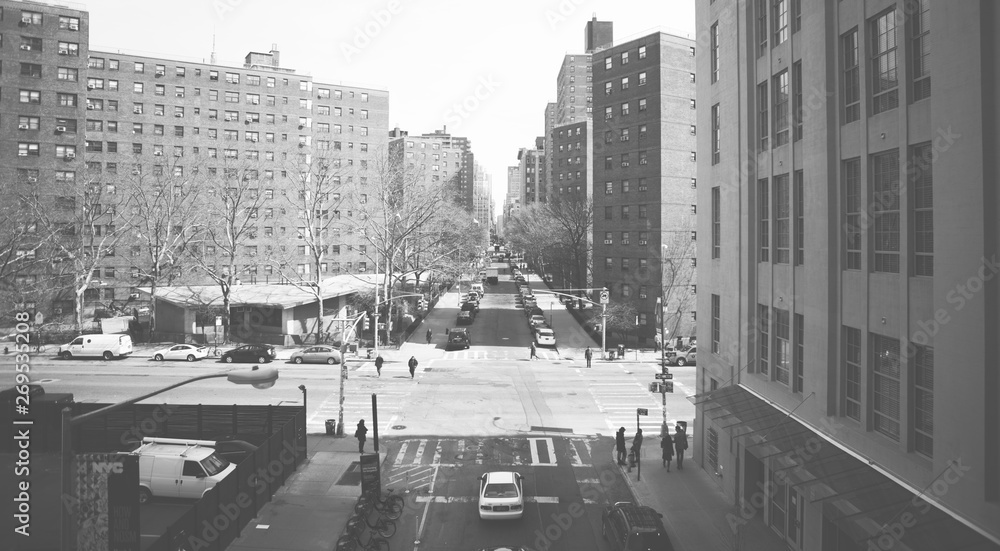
{"x":331,"y":427}
{"x":611,"y":353}
{"x":621,"y":350}
{"x":370,"y":353}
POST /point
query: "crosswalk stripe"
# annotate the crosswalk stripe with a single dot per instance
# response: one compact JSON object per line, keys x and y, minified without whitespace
{"x":540,"y":447}
{"x":401,"y":453}
{"x":437,"y":454}
{"x":471,"y":499}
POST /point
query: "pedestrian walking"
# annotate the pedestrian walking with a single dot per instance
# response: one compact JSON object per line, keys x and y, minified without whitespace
{"x":533,"y":350}
{"x":636,"y":446}
{"x":413,"y":365}
{"x":656,"y":342}
{"x":620,"y":445}
{"x":429,"y":336}
{"x":680,"y":444}
{"x":589,"y":355}
{"x":667,"y":446}
{"x":361,"y":434}
{"x":378,"y":364}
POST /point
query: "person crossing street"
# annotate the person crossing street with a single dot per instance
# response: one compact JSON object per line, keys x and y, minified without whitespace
{"x":429,"y":334}
{"x":589,"y":355}
{"x":378,"y":364}
{"x":413,"y":365}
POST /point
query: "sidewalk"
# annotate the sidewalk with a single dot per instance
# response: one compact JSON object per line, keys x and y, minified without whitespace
{"x":310,"y":511}
{"x":696,"y":512}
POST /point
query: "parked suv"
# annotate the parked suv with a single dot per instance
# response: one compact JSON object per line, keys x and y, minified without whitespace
{"x":631,"y":527}
{"x":260,"y":353}
{"x":458,"y":338}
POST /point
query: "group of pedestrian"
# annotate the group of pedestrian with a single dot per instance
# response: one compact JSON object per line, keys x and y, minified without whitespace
{"x":412,"y":364}
{"x":670,"y":446}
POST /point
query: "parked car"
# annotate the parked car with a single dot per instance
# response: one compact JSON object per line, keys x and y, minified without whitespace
{"x":628,"y":526}
{"x":317,"y":354}
{"x":545,"y":336}
{"x":459,"y":337}
{"x":260,"y":353}
{"x":465,"y":317}
{"x":187,"y":352}
{"x":683,"y":357}
{"x":537,"y":319}
{"x":479,"y":289}
{"x":501,"y":495}
{"x":107,"y":346}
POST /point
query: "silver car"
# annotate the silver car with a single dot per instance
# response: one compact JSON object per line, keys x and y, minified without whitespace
{"x":317,"y":354}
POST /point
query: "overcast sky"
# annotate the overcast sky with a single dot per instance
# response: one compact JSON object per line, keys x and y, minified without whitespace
{"x":500,"y":58}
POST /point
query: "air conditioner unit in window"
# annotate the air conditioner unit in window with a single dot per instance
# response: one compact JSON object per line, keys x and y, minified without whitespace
{"x":180,"y":94}
{"x":57,"y":311}
{"x":642,"y":242}
{"x":137,"y":110}
{"x":179,"y":115}
{"x":63,"y":52}
{"x":24,"y":22}
{"x":133,"y":296}
{"x":255,"y":102}
{"x":60,"y":129}
{"x":157,"y":153}
{"x":32,"y":179}
{"x":159,"y":73}
{"x":90,"y":87}
{"x":178,"y":154}
{"x":22,"y":127}
{"x":213,"y":117}
{"x":90,"y":107}
{"x":69,"y":155}
{"x":607,"y":241}
{"x":74,"y":26}
{"x":25,"y":46}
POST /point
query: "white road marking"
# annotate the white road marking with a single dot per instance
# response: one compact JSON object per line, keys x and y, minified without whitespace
{"x":437,"y":454}
{"x":471,"y":499}
{"x":401,"y":453}
{"x":534,"y":445}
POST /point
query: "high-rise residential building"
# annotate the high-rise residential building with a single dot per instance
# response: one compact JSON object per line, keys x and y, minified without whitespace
{"x":531,"y":167}
{"x":574,"y":89}
{"x":847,"y":187}
{"x":483,"y":198}
{"x":571,"y":174}
{"x":455,"y":162}
{"x":644,"y":167}
{"x":512,"y":200}
{"x":550,"y":123}
{"x":92,"y":127}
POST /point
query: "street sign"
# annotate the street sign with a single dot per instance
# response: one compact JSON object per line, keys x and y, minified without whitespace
{"x":218,"y":320}
{"x":641,"y":411}
{"x":604,"y":297}
{"x":664,"y":376}
{"x":667,"y":386}
{"x":654,"y":387}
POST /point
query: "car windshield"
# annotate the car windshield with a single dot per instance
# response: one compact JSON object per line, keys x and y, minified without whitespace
{"x":545,"y":332}
{"x":506,"y":489}
{"x":213,"y":464}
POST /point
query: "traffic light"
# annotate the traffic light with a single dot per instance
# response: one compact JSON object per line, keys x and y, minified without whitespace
{"x":364,"y":321}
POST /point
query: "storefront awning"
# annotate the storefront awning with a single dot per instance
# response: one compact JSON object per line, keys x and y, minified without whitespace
{"x":862,"y":501}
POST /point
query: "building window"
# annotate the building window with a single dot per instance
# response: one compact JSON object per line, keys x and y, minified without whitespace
{"x":851,"y":178}
{"x":800,"y":347}
{"x":642,"y":52}
{"x":624,"y":108}
{"x":33,"y":70}
{"x":716,"y":222}
{"x":921,"y":52}
{"x":923,"y":401}
{"x":625,"y":238}
{"x":781,"y":219}
{"x":797,"y":101}
{"x":608,"y":263}
{"x":852,"y":77}
{"x":885,"y":211}
{"x":885,"y":385}
{"x":609,"y":188}
{"x":782,"y":347}
{"x":608,"y":63}
{"x":780,"y":21}
{"x":30,"y":96}
{"x":920,"y":178}
{"x":624,"y":83}
{"x":764,"y":220}
{"x":625,"y":209}
{"x":716,"y":322}
{"x":885,"y":81}
{"x":715,"y":52}
{"x":800,"y":221}
{"x":762,"y":118}
{"x":716,"y":134}
{"x":643,"y":212}
{"x":852,"y":373}
{"x":642,"y":105}
{"x":763,"y":321}
{"x":761,"y":27}
{"x":780,"y":90}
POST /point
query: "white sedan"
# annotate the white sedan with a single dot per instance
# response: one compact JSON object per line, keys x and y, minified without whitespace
{"x":500,"y":495}
{"x":545,"y":336}
{"x":187,"y":352}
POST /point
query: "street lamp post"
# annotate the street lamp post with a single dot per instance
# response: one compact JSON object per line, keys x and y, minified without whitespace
{"x":259,"y":378}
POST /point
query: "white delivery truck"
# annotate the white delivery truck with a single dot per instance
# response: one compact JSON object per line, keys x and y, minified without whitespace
{"x":97,"y":346}
{"x":178,"y":468}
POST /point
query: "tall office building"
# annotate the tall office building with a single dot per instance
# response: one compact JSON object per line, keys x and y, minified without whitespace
{"x":90,"y":127}
{"x":847,"y":184}
{"x":644,"y":168}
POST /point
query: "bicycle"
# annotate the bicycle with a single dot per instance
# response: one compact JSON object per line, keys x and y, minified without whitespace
{"x":353,"y":535}
{"x":391,"y":511}
{"x":384,"y":526}
{"x":391,"y":503}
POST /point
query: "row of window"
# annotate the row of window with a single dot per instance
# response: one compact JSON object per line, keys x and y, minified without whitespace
{"x":778,"y":31}
{"x":625,"y":160}
{"x":625,"y":108}
{"x":35,"y":44}
{"x":777,"y":113}
{"x":34,"y":18}
{"x":230,"y":78}
{"x":609,"y":61}
{"x":624,"y":83}
{"x":774,"y":219}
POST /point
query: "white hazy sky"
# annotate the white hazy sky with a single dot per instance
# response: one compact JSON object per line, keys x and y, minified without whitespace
{"x":431,"y":55}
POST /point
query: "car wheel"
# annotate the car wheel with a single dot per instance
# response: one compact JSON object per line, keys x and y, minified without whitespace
{"x":298,"y":360}
{"x":144,"y":495}
{"x":262,"y":359}
{"x":681,"y":362}
{"x":66,"y":355}
{"x":158,"y":357}
{"x":108,"y":355}
{"x":228,"y":359}
{"x":191,"y":358}
{"x":331,"y":361}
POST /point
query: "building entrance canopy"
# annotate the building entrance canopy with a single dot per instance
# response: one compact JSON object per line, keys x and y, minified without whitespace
{"x":867,"y":505}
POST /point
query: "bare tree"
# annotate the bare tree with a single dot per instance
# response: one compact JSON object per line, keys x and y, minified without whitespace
{"x":677,"y":281}
{"x":231,"y":207}
{"x":315,"y":195}
{"x":23,"y":252}
{"x":166,"y":220}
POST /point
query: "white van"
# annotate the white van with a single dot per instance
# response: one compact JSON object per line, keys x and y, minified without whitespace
{"x":97,"y":346}
{"x":170,"y":467}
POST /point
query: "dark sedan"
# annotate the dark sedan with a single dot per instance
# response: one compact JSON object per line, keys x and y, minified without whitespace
{"x":259,"y":353}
